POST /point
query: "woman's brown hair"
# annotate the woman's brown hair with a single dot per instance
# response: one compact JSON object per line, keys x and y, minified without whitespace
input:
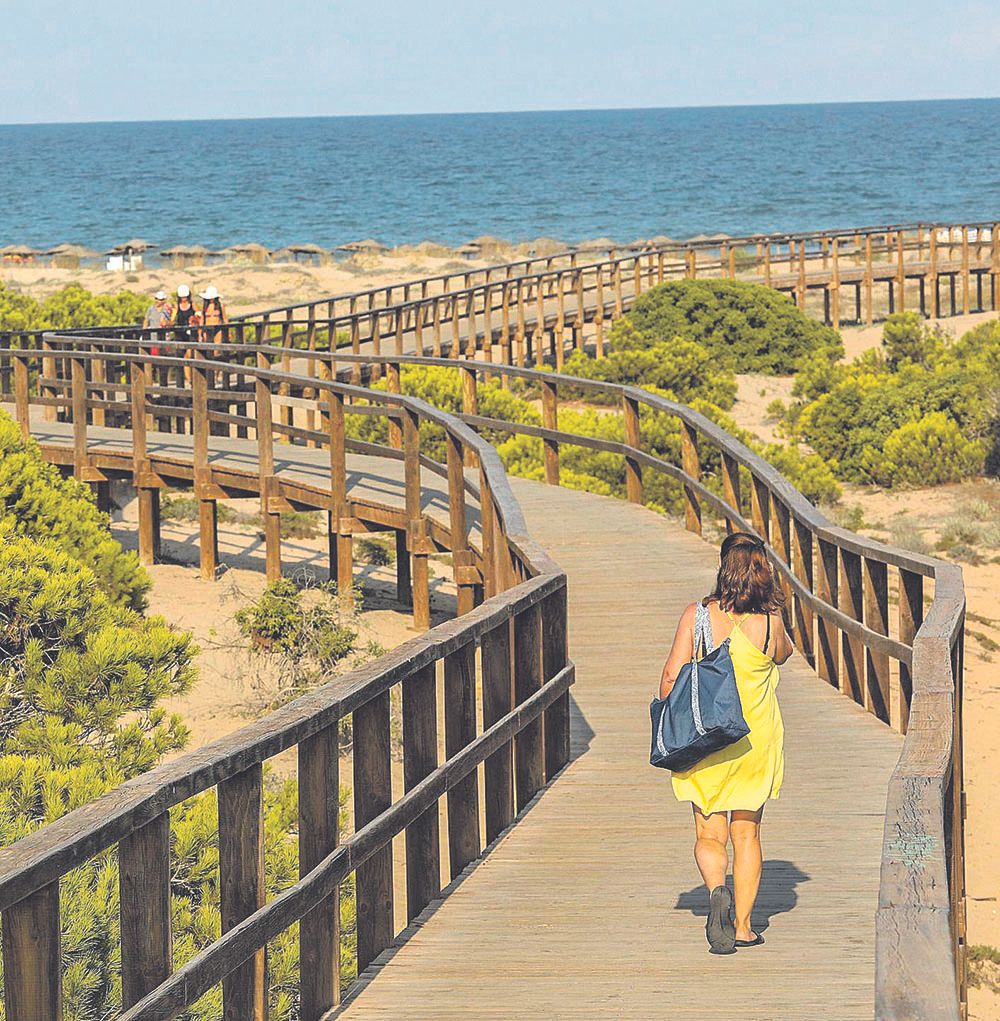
{"x":745,"y":582}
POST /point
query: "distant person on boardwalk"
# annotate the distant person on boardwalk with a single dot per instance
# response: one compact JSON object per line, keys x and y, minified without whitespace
{"x":185,"y":318}
{"x":729,"y":788}
{"x":158,"y":317}
{"x":213,"y":313}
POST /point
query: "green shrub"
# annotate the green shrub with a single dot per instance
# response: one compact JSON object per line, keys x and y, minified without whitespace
{"x":927,"y":452}
{"x":809,"y":473}
{"x":682,"y":368}
{"x":376,"y":552}
{"x":747,"y":327}
{"x":36,"y":500}
{"x":907,"y":338}
{"x":71,"y":308}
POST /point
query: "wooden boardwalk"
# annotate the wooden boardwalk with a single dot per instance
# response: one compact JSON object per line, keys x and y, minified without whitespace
{"x":591,"y":905}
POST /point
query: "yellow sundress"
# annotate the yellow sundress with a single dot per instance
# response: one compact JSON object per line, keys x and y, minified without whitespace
{"x":748,"y":773}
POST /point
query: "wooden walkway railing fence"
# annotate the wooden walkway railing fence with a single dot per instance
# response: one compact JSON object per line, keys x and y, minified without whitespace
{"x":906,"y":670}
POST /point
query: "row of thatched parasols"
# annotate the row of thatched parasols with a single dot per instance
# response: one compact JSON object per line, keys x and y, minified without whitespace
{"x":484,"y":246}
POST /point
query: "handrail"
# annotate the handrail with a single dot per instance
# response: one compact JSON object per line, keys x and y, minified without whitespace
{"x":521,"y":609}
{"x":838,"y":584}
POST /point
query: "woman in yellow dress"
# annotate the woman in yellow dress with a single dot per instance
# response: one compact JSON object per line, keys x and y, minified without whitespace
{"x":729,"y":788}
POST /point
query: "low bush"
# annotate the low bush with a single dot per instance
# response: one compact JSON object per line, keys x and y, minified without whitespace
{"x":747,"y":327}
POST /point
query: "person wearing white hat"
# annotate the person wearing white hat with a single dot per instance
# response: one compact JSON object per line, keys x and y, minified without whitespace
{"x":185,"y":317}
{"x":213,"y":313}
{"x":158,"y":316}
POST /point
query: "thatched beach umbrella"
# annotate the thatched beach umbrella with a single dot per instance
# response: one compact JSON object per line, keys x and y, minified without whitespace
{"x":309,"y":250}
{"x":137,"y":245}
{"x":369,"y":245}
{"x":543,"y":246}
{"x":68,"y":256}
{"x":597,"y":245}
{"x":22,"y":251}
{"x":469,"y":251}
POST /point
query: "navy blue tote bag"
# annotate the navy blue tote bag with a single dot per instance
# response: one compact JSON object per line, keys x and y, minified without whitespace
{"x":702,"y":714}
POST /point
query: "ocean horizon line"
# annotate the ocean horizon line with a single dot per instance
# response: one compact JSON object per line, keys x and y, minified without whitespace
{"x":283,"y":118}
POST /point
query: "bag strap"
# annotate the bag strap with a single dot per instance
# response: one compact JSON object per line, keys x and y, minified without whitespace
{"x":767,"y":636}
{"x":699,"y":636}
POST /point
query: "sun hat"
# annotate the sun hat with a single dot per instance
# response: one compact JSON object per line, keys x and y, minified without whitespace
{"x":183,"y":291}
{"x":209,"y":293}
{"x":161,"y":295}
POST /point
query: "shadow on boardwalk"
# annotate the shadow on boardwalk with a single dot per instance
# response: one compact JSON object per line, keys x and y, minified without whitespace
{"x":779,"y":884}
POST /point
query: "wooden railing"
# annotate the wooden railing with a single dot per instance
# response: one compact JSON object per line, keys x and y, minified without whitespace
{"x":537,"y":311}
{"x":514,"y":624}
{"x":906,"y":670}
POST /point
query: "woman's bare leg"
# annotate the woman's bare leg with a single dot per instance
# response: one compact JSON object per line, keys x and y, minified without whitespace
{"x":710,"y":851}
{"x":744,"y":828}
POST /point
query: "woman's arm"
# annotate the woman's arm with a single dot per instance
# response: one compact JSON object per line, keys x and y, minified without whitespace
{"x":781,"y":644}
{"x":680,"y":651}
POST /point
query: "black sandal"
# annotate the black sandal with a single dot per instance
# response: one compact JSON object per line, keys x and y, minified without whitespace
{"x":720,"y":929}
{"x":755,"y":942}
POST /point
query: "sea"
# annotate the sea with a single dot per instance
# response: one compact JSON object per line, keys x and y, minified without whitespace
{"x":571,"y":175}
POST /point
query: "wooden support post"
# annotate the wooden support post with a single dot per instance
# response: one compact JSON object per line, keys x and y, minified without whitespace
{"x":633,"y":438}
{"x":319,"y":814}
{"x":558,"y":329}
{"x":208,"y":522}
{"x":579,"y":318}
{"x":767,"y":264}
{"x":731,"y":486}
{"x":459,"y":731}
{"x":539,"y":331}
{"x":417,"y":539}
{"x":392,"y":380}
{"x":404,"y":585}
{"x":869,"y":309}
{"x":802,"y":555}
{"x":691,"y":464}
{"x":827,"y":585}
{"x":835,"y":283}
{"x":901,"y":271}
{"x":372,"y":796}
{"x":550,"y":420}
{"x":241,"y":887}
{"x":554,"y":658}
{"x":341,"y":540}
{"x":781,"y":543}
{"x":800,"y":293}
{"x":599,"y":312}
{"x":529,"y":765}
{"x":144,"y":908}
{"x":876,"y":600}
{"x":619,"y":306}
{"x":498,"y":771}
{"x":78,"y":384}
{"x":850,"y":602}
{"x":932,"y":278}
{"x":268,"y":483}
{"x":911,"y":616}
{"x":148,"y":494}
{"x":461,"y":555}
{"x":488,"y":322}
{"x":420,"y":758}
{"x":995,"y":266}
{"x":965,"y":271}
{"x":22,"y":400}
{"x":32,"y":958}
{"x":760,"y":507}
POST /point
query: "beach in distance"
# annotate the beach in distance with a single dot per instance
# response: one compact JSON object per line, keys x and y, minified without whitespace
{"x":569,"y":175}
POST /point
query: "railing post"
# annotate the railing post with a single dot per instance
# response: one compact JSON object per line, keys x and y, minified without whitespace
{"x":498,"y":769}
{"x":550,"y":420}
{"x":995,"y":266}
{"x":32,"y":958}
{"x":911,"y":616}
{"x":470,"y":404}
{"x":145,"y":483}
{"x":835,"y":283}
{"x":144,"y":895}
{"x":932,"y":277}
{"x":420,"y":757}
{"x":341,"y":542}
{"x":462,"y":557}
{"x":417,"y":538}
{"x":633,"y":438}
{"x":876,"y":602}
{"x":804,"y":617}
{"x":319,"y":814}
{"x":781,"y":543}
{"x":691,"y":464}
{"x":901,"y":271}
{"x":459,"y":731}
{"x":599,"y":313}
{"x":78,"y":383}
{"x":241,"y":887}
{"x":372,"y":796}
{"x":207,"y":511}
{"x":554,"y":657}
{"x":827,"y":586}
{"x":760,"y":507}
{"x":395,"y":430}
{"x":529,"y":763}
{"x":268,"y":483}
{"x":850,"y":602}
{"x":22,"y":400}
{"x":731,"y":486}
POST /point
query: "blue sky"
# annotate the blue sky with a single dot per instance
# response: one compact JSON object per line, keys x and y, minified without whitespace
{"x":133,"y":60}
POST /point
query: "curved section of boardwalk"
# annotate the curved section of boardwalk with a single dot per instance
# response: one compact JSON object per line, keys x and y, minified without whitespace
{"x":591,"y":906}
